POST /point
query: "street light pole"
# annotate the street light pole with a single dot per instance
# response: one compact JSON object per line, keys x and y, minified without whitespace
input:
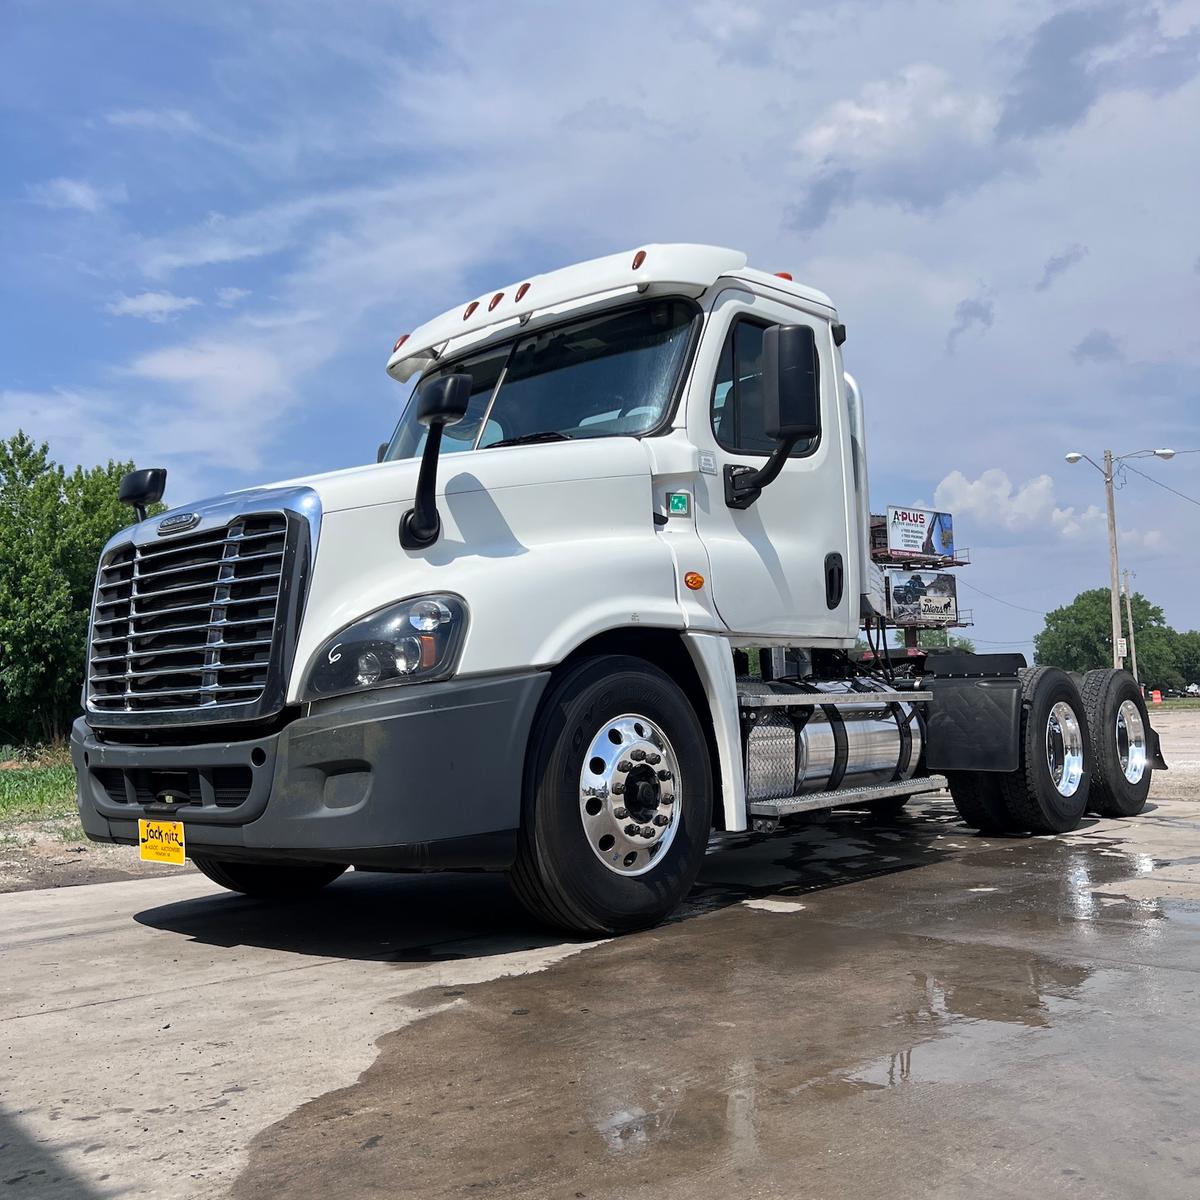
{"x":1129,"y":621}
{"x":1110,"y":464}
{"x":1113,"y":569}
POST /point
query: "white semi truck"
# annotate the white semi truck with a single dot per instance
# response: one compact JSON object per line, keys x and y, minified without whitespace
{"x":518,"y":641}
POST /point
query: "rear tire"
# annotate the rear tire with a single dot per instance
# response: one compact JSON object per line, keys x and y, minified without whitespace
{"x":980,"y":801}
{"x":579,"y":867}
{"x":1049,"y":792}
{"x":1120,"y":728}
{"x":268,"y":881}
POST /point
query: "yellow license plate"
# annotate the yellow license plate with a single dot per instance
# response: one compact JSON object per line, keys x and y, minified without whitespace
{"x":161,"y":841}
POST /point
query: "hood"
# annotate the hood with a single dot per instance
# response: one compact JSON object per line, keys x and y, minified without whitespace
{"x":476,"y":470}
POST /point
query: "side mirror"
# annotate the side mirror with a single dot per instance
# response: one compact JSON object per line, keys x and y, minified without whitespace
{"x":445,"y":400}
{"x":791,"y":383}
{"x":140,"y":489}
{"x":440,"y":403}
{"x":791,"y":378}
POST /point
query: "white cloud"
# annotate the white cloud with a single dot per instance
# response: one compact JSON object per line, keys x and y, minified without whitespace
{"x":151,"y":306}
{"x":158,"y":120}
{"x":992,"y":500}
{"x":78,"y":194}
{"x":912,"y":140}
{"x":227,"y":297}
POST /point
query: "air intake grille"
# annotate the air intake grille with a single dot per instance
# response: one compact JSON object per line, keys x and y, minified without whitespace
{"x":190,"y":623}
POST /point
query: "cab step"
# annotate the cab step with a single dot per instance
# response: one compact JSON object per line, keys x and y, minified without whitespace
{"x":772,"y":810}
{"x":755,"y":700}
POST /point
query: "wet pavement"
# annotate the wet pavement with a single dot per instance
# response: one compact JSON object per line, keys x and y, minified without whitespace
{"x":894,"y":1009}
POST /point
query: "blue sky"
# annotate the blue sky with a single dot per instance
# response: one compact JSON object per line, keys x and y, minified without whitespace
{"x":213,"y":225}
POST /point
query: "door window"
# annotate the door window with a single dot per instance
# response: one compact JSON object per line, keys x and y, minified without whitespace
{"x":737,"y":402}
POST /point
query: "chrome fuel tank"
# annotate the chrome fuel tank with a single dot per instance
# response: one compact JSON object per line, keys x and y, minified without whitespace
{"x":791,"y":751}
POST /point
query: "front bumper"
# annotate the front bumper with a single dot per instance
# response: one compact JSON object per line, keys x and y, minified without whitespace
{"x":399,"y":779}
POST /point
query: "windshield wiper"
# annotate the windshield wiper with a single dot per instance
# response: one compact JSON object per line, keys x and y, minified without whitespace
{"x":547,"y":435}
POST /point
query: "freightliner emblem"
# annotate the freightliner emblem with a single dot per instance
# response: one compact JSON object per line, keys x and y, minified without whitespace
{"x":178,"y":523}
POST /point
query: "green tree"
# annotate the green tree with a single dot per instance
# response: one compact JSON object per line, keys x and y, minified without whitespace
{"x":933,"y":639}
{"x":1187,"y":655}
{"x":52,"y":528}
{"x":1078,"y":637}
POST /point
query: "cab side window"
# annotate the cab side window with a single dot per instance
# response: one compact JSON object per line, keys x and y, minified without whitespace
{"x":737,"y":402}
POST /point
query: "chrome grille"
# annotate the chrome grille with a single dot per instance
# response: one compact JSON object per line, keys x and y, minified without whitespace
{"x":191,"y":622}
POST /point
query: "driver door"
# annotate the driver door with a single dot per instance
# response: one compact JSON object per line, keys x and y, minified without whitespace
{"x":780,"y":568}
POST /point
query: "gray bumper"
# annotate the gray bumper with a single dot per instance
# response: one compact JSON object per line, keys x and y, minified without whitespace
{"x":403,"y":778}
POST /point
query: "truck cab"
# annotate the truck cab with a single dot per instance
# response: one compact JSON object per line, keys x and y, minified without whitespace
{"x":518,"y":641}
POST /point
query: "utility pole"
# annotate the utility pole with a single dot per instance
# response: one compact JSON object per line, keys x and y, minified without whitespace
{"x":1129,"y":616}
{"x":1110,"y":463}
{"x":1115,"y":574}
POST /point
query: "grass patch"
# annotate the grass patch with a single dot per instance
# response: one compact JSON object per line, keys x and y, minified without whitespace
{"x":37,"y":783}
{"x":1189,"y":704}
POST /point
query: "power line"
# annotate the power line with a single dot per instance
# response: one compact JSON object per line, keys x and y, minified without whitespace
{"x":1159,"y":483}
{"x":1037,"y":612}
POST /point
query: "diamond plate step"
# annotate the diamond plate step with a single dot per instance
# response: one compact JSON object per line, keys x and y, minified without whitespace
{"x":843,"y":797}
{"x":809,"y":699}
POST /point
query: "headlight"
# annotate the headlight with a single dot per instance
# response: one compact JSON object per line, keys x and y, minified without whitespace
{"x":414,"y":641}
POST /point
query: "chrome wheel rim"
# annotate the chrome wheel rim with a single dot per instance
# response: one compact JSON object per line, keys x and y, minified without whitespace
{"x":1064,"y":748}
{"x":1131,"y":741}
{"x":629,"y":788}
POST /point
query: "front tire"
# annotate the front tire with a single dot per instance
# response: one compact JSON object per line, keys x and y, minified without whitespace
{"x":618,"y":799}
{"x":1049,"y":792}
{"x":268,"y":881}
{"x":1120,"y":728}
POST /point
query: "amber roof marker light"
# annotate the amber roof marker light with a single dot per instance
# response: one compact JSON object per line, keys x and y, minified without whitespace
{"x":638,"y":259}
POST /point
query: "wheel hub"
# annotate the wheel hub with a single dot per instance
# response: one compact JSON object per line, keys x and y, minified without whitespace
{"x":1131,"y":741}
{"x":1064,"y":748}
{"x":628,"y":794}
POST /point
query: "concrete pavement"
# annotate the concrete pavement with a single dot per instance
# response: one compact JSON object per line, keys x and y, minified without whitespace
{"x":898,"y":1009}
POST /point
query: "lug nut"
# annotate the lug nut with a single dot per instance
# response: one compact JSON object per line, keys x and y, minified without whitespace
{"x":666,"y":799}
{"x":638,"y":755}
{"x":618,"y":789}
{"x":624,"y":765}
{"x":664,"y":774}
{"x":632,"y":830}
{"x":620,"y":813}
{"x":654,"y":759}
{"x":661,"y":819}
{"x":648,"y":831}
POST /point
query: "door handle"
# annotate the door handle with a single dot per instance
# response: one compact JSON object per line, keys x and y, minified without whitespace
{"x":835,"y":580}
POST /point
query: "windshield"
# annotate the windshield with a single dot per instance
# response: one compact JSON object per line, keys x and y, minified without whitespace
{"x":604,"y":376}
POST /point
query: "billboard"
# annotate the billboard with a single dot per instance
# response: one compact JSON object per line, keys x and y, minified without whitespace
{"x":919,"y":533}
{"x":922,"y":598}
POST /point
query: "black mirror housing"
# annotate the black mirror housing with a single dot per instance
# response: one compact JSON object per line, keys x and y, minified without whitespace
{"x":791,"y":383}
{"x":439,"y":403}
{"x":444,"y":401}
{"x":140,"y":489}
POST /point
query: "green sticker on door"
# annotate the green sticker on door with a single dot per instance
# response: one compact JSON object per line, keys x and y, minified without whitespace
{"x":679,"y":504}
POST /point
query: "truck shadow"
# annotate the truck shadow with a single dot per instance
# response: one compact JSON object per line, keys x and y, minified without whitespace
{"x":443,"y":917}
{"x":29,"y":1167}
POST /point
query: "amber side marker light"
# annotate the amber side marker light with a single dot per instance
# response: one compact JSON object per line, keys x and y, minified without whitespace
{"x":784,"y":275}
{"x":694,"y":580}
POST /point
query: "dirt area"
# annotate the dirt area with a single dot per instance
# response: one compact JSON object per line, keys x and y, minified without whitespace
{"x":54,"y":853}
